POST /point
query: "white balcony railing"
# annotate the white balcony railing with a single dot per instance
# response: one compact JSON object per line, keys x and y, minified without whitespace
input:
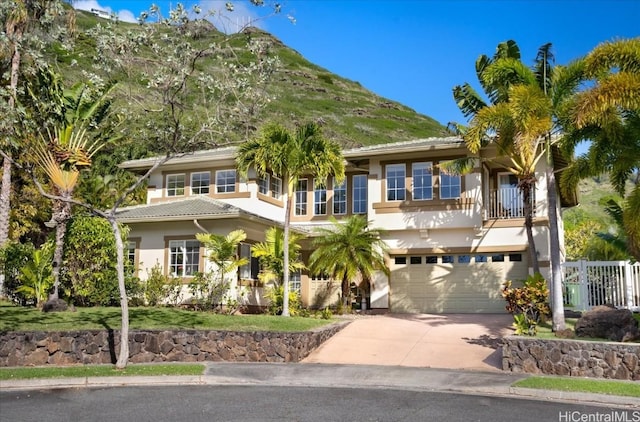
{"x":507,"y":203}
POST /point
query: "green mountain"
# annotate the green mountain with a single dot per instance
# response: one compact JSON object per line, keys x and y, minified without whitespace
{"x":302,"y":91}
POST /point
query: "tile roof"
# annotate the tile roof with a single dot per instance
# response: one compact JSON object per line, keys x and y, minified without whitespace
{"x":181,"y":209}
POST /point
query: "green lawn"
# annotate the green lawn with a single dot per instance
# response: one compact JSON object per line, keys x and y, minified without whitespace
{"x":15,"y":318}
{"x":615,"y":388}
{"x":100,"y":371}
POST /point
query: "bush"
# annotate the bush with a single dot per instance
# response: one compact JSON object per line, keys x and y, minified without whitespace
{"x":529,"y":304}
{"x":208,"y":291}
{"x":275,"y":294}
{"x":159,"y":288}
{"x":89,"y":272}
{"x":13,"y":257}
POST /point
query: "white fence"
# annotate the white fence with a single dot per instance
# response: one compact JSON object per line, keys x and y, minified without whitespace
{"x":592,"y":283}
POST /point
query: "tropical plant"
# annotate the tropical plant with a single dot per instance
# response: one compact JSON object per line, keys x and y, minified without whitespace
{"x":528,"y":304}
{"x":290,"y":156}
{"x":349,"y":251}
{"x":271,"y":255}
{"x":222,"y":251}
{"x":607,"y":114}
{"x":36,"y":275}
{"x":13,"y":256}
{"x":275,"y":296}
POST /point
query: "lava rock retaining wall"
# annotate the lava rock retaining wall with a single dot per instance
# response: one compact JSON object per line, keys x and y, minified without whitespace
{"x":571,"y":358}
{"x":100,"y":346}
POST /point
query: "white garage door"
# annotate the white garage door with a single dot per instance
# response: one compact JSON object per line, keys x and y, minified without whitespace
{"x":461,"y":283}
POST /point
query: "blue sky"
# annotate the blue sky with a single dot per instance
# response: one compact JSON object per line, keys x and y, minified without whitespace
{"x":415,"y":51}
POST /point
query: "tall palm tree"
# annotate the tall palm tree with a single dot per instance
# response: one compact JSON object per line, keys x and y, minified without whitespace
{"x":271,"y":255}
{"x":608,"y":114}
{"x":289,"y":156}
{"x":349,"y":251}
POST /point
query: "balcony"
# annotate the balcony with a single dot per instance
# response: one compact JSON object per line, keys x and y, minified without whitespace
{"x":505,"y":203}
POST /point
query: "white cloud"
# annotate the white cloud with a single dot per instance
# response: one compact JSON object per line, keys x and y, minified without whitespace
{"x":89,"y":5}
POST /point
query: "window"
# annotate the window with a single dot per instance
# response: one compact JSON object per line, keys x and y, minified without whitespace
{"x":263,"y":184}
{"x":319,"y":199}
{"x":400,"y":260}
{"x":515,"y":257}
{"x":415,"y":260}
{"x":184,"y":257}
{"x":175,"y":185}
{"x":276,"y":187}
{"x":250,"y":270}
{"x":481,"y":258}
{"x":422,"y":181}
{"x":395,"y":182}
{"x":200,"y":183}
{"x":464,"y":259}
{"x":431,"y":260}
{"x":447,"y":259}
{"x":449,"y":186}
{"x":360,"y":194}
{"x":131,"y":252}
{"x":225,"y":181}
{"x":295,"y":283}
{"x":301,"y":197}
{"x":340,"y":198}
{"x":497,"y":258}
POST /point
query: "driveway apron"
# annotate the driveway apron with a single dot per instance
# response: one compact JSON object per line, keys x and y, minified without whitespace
{"x":454,"y":341}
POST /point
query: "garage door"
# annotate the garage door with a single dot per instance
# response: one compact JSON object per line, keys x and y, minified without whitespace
{"x":453,"y":283}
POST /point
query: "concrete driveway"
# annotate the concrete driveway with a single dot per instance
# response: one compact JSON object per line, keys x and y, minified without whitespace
{"x":459,"y":341}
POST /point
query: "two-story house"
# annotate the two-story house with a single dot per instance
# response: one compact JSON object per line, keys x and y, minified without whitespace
{"x":453,"y":240}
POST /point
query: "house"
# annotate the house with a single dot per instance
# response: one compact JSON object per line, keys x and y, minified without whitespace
{"x":453,"y":240}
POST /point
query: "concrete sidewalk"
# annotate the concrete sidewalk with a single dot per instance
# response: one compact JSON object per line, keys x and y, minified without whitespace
{"x":454,"y":341}
{"x":337,"y":376}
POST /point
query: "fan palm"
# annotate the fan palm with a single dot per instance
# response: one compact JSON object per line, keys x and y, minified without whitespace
{"x":289,"y":156}
{"x":349,"y":251}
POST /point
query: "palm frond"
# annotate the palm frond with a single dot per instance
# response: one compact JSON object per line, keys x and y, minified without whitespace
{"x":459,"y":166}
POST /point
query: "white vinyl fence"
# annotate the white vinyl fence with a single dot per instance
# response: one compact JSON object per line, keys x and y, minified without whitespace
{"x":592,"y":283}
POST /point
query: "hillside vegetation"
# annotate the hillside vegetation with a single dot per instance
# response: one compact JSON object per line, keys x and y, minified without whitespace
{"x":301,"y":91}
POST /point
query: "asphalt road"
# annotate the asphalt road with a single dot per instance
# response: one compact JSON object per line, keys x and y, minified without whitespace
{"x":277,"y":403}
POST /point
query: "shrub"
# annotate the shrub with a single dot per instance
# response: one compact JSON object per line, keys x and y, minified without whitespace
{"x":275,"y":294}
{"x":14,"y":256}
{"x":529,"y":304}
{"x":326,"y":313}
{"x":36,"y":275}
{"x":159,"y":288}
{"x":208,"y":291}
{"x":89,"y":266}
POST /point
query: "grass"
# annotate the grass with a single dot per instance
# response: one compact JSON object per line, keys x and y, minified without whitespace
{"x":614,"y":388}
{"x":15,"y":318}
{"x":100,"y":371}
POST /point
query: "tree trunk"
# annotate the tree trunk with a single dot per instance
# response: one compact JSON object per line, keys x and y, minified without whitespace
{"x":285,"y":268}
{"x":123,"y":357}
{"x":525,"y":188}
{"x":346,"y":293}
{"x":5,"y":208}
{"x":61,"y":215}
{"x":557,"y":301}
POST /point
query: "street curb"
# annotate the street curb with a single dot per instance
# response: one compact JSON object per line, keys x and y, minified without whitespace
{"x":586,"y":398}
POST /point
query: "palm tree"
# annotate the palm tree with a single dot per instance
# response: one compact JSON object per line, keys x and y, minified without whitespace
{"x":349,"y":251}
{"x":271,"y":255}
{"x":289,"y":156}
{"x":223,"y":251}
{"x":608,"y":114}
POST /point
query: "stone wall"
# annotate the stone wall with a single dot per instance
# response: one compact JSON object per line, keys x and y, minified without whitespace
{"x":572,"y":358}
{"x":100,"y":346}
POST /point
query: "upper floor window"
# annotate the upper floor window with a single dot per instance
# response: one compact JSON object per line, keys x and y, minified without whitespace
{"x":184,"y":257}
{"x":200,"y":183}
{"x":422,"y":176}
{"x":225,"y":181}
{"x":396,"y":174}
{"x":449,"y":186}
{"x":360,"y":194}
{"x":175,"y":184}
{"x":340,"y":198}
{"x":276,"y":187}
{"x":263,"y":184}
{"x":319,"y":199}
{"x":301,"y":197}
